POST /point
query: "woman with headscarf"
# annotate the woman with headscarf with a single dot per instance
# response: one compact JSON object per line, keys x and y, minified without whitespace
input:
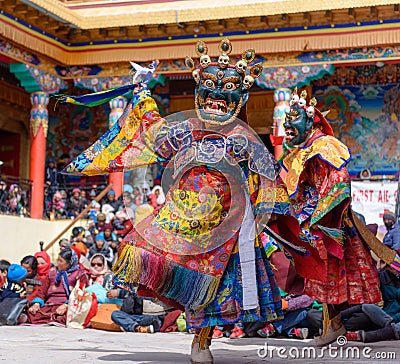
{"x":159,"y":193}
{"x":44,"y":264}
{"x":51,"y":302}
{"x":101,"y":277}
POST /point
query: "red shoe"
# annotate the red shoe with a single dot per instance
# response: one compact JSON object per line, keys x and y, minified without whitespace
{"x":267,"y":331}
{"x":353,"y":336}
{"x":300,"y":333}
{"x":237,"y":333}
{"x":217,"y":333}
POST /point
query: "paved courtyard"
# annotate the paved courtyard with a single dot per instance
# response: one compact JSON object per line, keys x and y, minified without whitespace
{"x":41,"y":345}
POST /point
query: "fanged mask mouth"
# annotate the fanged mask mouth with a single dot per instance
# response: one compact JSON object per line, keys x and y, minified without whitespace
{"x":217,"y":107}
{"x":291,"y":133}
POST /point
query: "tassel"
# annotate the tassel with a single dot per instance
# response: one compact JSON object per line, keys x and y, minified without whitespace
{"x":123,"y":259}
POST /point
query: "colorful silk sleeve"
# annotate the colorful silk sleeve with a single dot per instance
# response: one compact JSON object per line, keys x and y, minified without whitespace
{"x":128,"y":144}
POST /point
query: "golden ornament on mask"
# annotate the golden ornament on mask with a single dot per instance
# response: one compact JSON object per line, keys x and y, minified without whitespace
{"x":189,"y":63}
{"x":225,"y":47}
{"x":249,"y":55}
{"x":256,"y":70}
{"x":303,"y":94}
{"x":313,"y":101}
{"x":201,"y":48}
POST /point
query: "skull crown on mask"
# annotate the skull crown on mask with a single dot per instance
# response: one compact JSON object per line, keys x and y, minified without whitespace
{"x":222,"y":89}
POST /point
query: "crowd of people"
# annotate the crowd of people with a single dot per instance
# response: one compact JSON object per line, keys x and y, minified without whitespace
{"x":13,"y":199}
{"x":88,"y":256}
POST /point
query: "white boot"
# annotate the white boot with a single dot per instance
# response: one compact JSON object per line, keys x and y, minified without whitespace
{"x":198,"y":356}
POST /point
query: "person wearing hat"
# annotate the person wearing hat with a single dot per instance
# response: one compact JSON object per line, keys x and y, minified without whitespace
{"x":112,"y":201}
{"x":101,"y":247}
{"x":392,"y":237}
{"x":110,"y":237}
{"x":13,"y":286}
{"x":76,"y":203}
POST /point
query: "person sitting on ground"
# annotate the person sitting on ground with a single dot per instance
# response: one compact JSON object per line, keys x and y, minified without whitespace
{"x":101,"y":247}
{"x":44,"y":264}
{"x":101,"y":276}
{"x":139,"y":314}
{"x":30,"y":263}
{"x":4,"y":265}
{"x":392,"y":237}
{"x":294,"y":323}
{"x":14,"y":286}
{"x":51,"y":302}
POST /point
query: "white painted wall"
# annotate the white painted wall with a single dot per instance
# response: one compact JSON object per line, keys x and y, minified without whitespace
{"x":21,"y":236}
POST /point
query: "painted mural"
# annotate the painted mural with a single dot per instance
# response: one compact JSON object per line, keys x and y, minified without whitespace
{"x":367,"y":119}
{"x":72,"y":128}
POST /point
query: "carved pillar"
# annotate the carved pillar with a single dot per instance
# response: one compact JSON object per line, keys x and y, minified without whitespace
{"x":117,"y":107}
{"x":38,"y":132}
{"x":282,"y":97}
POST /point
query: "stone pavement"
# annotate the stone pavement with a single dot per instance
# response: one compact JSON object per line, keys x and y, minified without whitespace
{"x":55,"y":345}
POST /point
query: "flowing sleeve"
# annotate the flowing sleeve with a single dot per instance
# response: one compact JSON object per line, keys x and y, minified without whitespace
{"x":128,"y":144}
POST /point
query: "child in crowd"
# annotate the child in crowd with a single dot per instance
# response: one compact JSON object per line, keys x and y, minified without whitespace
{"x":14,"y":284}
{"x":4,"y":265}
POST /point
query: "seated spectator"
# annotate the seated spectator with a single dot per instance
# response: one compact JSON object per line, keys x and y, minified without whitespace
{"x":109,"y":237}
{"x":101,"y":247}
{"x":76,"y":204}
{"x":94,"y":210}
{"x":30,"y":263}
{"x":390,"y":287}
{"x":98,"y":226}
{"x":57,"y":206}
{"x":64,"y":244}
{"x":101,"y":276}
{"x":294,"y":324}
{"x":51,"y":302}
{"x":14,"y":287}
{"x":112,"y":201}
{"x":127,"y":201}
{"x":4,"y":265}
{"x":139,"y":314}
{"x":44,"y":264}
{"x":137,"y":196}
{"x":392,"y":237}
{"x":159,"y":193}
{"x":16,"y":202}
{"x":81,"y":235}
{"x":85,"y":201}
{"x":125,"y":216}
